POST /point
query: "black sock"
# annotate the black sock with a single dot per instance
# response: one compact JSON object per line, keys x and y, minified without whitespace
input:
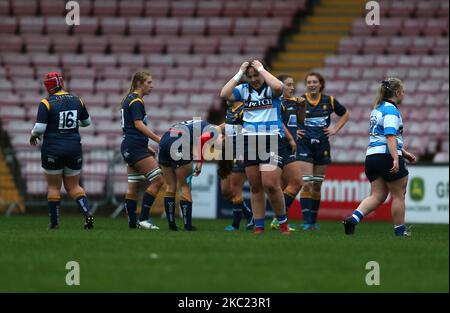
{"x":237,"y":215}
{"x":83,"y":205}
{"x":288,"y":199}
{"x":53,"y":209}
{"x":169,"y":207}
{"x":130,"y":206}
{"x":147,"y":202}
{"x":186,"y":208}
{"x":248,"y":214}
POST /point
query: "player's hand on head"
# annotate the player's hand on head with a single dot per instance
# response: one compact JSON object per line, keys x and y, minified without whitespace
{"x":244,"y":66}
{"x":256,"y":65}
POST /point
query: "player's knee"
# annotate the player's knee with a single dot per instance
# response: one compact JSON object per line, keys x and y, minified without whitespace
{"x":294,"y":185}
{"x":270,"y":187}
{"x":53,"y":193}
{"x":157,"y":183}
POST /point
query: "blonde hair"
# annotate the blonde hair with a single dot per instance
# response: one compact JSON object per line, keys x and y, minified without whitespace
{"x":387,"y":89}
{"x":138,"y":77}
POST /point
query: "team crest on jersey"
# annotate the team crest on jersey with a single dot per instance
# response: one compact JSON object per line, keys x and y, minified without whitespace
{"x":325,"y":107}
{"x":325,"y":153}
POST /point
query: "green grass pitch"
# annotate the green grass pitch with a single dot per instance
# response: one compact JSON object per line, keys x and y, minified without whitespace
{"x":113,"y":258}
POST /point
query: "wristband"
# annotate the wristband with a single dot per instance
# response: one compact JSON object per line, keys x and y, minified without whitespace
{"x":238,"y":76}
{"x":259,"y":69}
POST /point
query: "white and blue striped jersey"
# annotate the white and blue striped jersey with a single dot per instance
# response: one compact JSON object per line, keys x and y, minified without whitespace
{"x":385,"y":120}
{"x":262,"y":111}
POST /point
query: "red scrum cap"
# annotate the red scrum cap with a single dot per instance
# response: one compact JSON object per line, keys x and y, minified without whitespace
{"x":53,"y":82}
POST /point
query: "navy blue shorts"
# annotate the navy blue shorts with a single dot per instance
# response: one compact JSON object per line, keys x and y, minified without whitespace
{"x":379,"y":165}
{"x":178,"y":157}
{"x":132,"y":151}
{"x":267,"y":154}
{"x":288,"y":156}
{"x":316,"y":151}
{"x":57,"y":158}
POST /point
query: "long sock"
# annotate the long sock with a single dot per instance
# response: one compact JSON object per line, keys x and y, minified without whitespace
{"x":147,"y":202}
{"x":288,"y":199}
{"x":399,"y":230}
{"x":306,"y":202}
{"x":246,"y":211}
{"x":315,"y":208}
{"x":259,"y":223}
{"x":53,"y":209}
{"x":357,"y":216}
{"x":186,"y":208}
{"x":238,"y":210}
{"x":130,"y":206}
{"x":169,"y":207}
{"x":282,"y":219}
{"x":83,"y":203}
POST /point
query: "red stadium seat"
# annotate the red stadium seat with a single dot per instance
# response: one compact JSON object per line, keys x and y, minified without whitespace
{"x":156,"y":60}
{"x":413,"y":27}
{"x":200,"y":101}
{"x":429,"y":86}
{"x":432,"y":61}
{"x":400,"y":45}
{"x":131,"y":8}
{"x":427,"y":9}
{"x":20,"y":71}
{"x":140,"y":26}
{"x":193,"y":26}
{"x":255,"y":45}
{"x":418,"y":73}
{"x":131,"y":60}
{"x":24,"y":7}
{"x":65,"y":44}
{"x":350,"y":45}
{"x":113,"y":86}
{"x":30,"y":85}
{"x":260,"y":9}
{"x":8,"y":25}
{"x":154,"y":44}
{"x":96,"y":44}
{"x":43,"y":59}
{"x":100,"y":61}
{"x":120,"y":73}
{"x":191,"y":61}
{"x":231,"y":45}
{"x":81,"y":86}
{"x":402,"y":8}
{"x":362,"y":61}
{"x":205,"y":45}
{"x":348,"y":74}
{"x":390,"y":27}
{"x":51,"y":8}
{"x":209,"y":8}
{"x":167,"y":26}
{"x":376,"y":45}
{"x":6,"y":86}
{"x":35,"y":43}
{"x":270,"y":27}
{"x":436,"y":27}
{"x":178,"y":73}
{"x":74,"y":60}
{"x":245,"y":27}
{"x":422,"y":45}
{"x":360,"y":28}
{"x":88,"y":25}
{"x":441,"y":46}
{"x":188,"y":87}
{"x":443,"y":10}
{"x":204,"y":73}
{"x":408,"y":61}
{"x":122,"y":44}
{"x":113,"y":25}
{"x":157,"y":8}
{"x":57,"y":25}
{"x":388,"y":61}
{"x":222,"y":60}
{"x":81,"y":73}
{"x":185,"y":8}
{"x":338,"y":60}
{"x":31,"y":25}
{"x":220,"y":26}
{"x":180,"y":45}
{"x":105,"y":8}
{"x":235,"y":8}
{"x":4,"y":8}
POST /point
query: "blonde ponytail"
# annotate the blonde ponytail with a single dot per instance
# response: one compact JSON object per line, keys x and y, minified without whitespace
{"x":138,"y":77}
{"x":387,"y":89}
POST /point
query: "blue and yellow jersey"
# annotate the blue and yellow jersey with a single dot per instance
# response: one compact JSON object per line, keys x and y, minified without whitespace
{"x":291,"y":109}
{"x":61,"y":112}
{"x":385,"y":120}
{"x":318,"y":115}
{"x":233,"y":119}
{"x":132,"y":109}
{"x":262,"y":110}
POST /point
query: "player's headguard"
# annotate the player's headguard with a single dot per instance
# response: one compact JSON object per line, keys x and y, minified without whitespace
{"x":53,"y":82}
